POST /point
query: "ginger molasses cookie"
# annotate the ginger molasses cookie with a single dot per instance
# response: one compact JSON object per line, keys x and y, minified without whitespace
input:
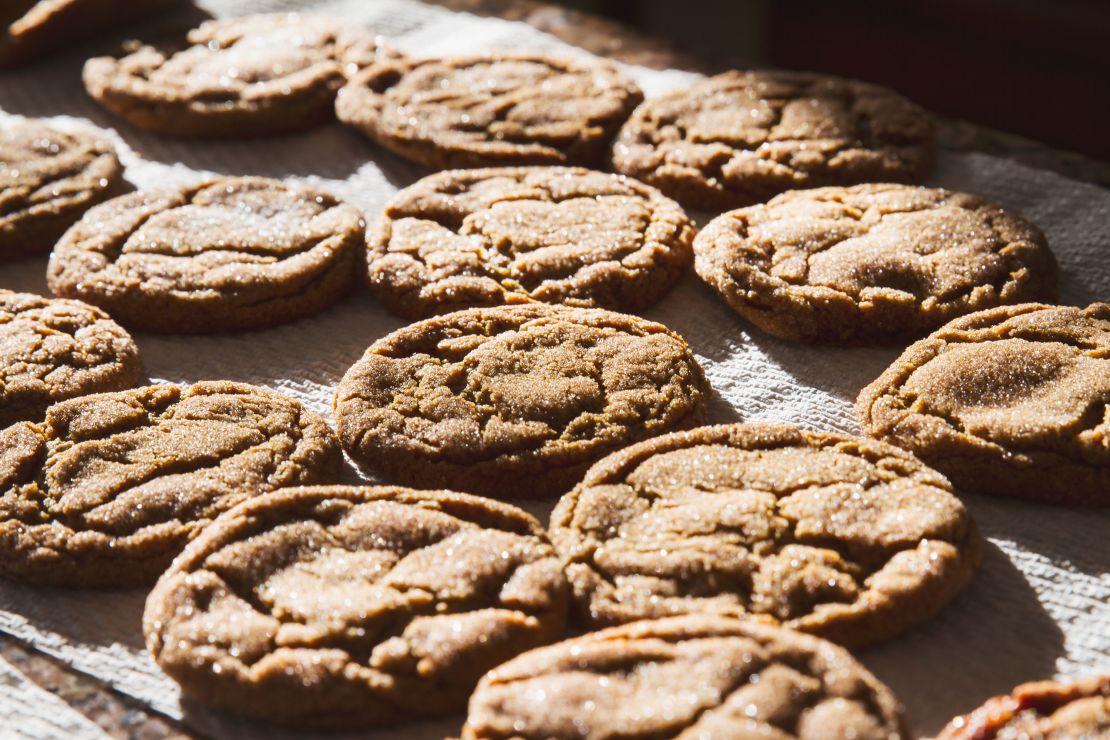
{"x":31,"y":29}
{"x":871,"y":262}
{"x":236,"y":77}
{"x":514,"y":401}
{"x":1011,"y":401}
{"x":53,"y":349}
{"x":110,"y":487}
{"x":1047,"y":710}
{"x":516,"y":234}
{"x":231,"y":253}
{"x":843,"y":537}
{"x":48,"y":177}
{"x":684,"y":677}
{"x":338,"y":606}
{"x":501,"y":109}
{"x":741,"y":137}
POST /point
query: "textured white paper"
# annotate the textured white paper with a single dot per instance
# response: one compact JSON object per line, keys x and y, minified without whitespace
{"x":31,"y":712}
{"x":1038,"y":608}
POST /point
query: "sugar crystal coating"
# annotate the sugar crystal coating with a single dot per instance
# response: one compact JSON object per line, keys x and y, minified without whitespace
{"x":839,"y":536}
{"x":341,"y":606}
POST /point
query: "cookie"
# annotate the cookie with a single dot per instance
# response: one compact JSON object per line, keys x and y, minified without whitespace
{"x":846,"y":538}
{"x":501,"y":109}
{"x":110,"y":487}
{"x":48,"y":178}
{"x":517,"y":234}
{"x":1011,"y":401}
{"x":31,"y":29}
{"x":231,"y":253}
{"x":514,"y":401}
{"x":741,"y":137}
{"x":1043,"y":709}
{"x":684,"y":677}
{"x":236,"y":77}
{"x":343,"y":607}
{"x":52,"y":349}
{"x":871,"y":263}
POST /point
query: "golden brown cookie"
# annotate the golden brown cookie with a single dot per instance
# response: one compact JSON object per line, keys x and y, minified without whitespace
{"x":48,"y":178}
{"x":871,"y":263}
{"x":52,"y":349}
{"x":741,"y":137}
{"x":517,"y":234}
{"x":501,"y":109}
{"x":1043,"y":710}
{"x":846,"y":538}
{"x":685,"y":677}
{"x":31,"y":29}
{"x":231,"y":253}
{"x":344,"y":607}
{"x":514,"y":401}
{"x":110,"y":487}
{"x":1011,"y":401}
{"x":236,"y":77}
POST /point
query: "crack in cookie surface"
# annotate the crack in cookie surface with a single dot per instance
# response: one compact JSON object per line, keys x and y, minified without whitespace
{"x":684,"y":677}
{"x":871,"y":262}
{"x":51,"y":350}
{"x":491,"y":110}
{"x":253,"y":75}
{"x":1009,"y":401}
{"x":511,"y":235}
{"x":838,"y":536}
{"x":742,"y":137}
{"x":111,"y":486}
{"x":226,"y":254}
{"x":48,"y":177}
{"x":340,"y":606}
{"x":516,"y":400}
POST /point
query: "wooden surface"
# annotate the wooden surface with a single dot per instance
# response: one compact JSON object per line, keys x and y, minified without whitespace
{"x":122,"y":717}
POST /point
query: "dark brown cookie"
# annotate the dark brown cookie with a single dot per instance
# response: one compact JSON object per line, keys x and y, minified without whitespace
{"x":231,"y":253}
{"x":514,"y":401}
{"x":1043,"y":710}
{"x":112,"y":486}
{"x":842,"y":537}
{"x":52,"y":349}
{"x":741,"y":137}
{"x":503,"y":109}
{"x":343,"y":607}
{"x":684,"y":677}
{"x":517,"y":234}
{"x":236,"y":77}
{"x":31,"y":29}
{"x":1010,"y":401}
{"x":48,"y":178}
{"x":871,"y":263}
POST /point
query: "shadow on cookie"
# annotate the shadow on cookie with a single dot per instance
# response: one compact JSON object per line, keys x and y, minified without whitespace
{"x":992,"y":637}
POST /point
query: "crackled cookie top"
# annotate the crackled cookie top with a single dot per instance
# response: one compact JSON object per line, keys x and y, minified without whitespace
{"x":741,"y":137}
{"x":52,"y":349}
{"x":1011,"y":401}
{"x":230,"y":253}
{"x":504,"y":109}
{"x":111,"y":486}
{"x":684,"y":677}
{"x":510,"y":235}
{"x":341,"y":606}
{"x":871,"y":262}
{"x":514,"y":400}
{"x":1046,"y":710}
{"x":258,"y":74}
{"x":48,"y":177}
{"x":839,"y":536}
